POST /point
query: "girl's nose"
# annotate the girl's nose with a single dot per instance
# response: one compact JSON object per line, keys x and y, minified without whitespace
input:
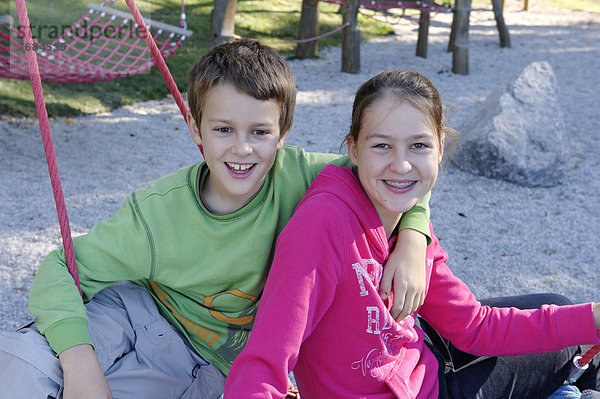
{"x":400,"y":164}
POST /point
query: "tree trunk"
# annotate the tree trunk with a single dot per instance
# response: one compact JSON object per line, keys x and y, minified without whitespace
{"x":309,"y":27}
{"x":460,"y":55}
{"x":222,"y":21}
{"x":423,"y":34}
{"x":502,"y":29}
{"x":351,"y":39}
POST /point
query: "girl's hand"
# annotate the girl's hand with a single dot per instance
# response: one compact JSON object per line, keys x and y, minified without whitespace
{"x":83,"y":377}
{"x":293,"y":392}
{"x":404,"y":272}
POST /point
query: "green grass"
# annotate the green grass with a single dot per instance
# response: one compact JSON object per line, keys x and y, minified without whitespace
{"x":581,"y":5}
{"x":269,"y":20}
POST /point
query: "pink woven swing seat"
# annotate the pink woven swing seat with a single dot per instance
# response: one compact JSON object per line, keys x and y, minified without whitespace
{"x":105,"y":44}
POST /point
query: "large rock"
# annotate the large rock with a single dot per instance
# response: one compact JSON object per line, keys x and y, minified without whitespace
{"x":517,"y":132}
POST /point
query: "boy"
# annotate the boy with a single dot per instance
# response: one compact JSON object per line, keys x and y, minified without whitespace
{"x":197,"y":244}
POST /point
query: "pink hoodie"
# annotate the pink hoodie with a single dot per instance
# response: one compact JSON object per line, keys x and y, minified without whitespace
{"x":321,"y":316}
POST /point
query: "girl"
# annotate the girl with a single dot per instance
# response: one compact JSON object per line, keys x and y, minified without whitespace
{"x":320,"y":314}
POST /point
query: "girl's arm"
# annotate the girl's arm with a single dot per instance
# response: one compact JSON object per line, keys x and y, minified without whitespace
{"x":299,"y":290}
{"x":451,"y":309}
{"x":404,"y":272}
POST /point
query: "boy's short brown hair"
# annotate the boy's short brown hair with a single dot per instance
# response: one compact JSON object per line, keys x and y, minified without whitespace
{"x":252,"y":68}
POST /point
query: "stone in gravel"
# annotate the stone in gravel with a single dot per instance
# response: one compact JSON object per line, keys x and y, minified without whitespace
{"x":517,"y":133}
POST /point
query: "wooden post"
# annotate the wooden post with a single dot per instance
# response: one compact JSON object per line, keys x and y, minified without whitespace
{"x":423,"y":33}
{"x":502,"y":29}
{"x":453,"y":29}
{"x":309,"y":27}
{"x":526,"y":5}
{"x":460,"y":51}
{"x":222,"y":21}
{"x":351,"y":39}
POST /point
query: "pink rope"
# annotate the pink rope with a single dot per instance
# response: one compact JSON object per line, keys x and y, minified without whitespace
{"x":159,"y":61}
{"x":158,"y":58}
{"x":36,"y":84}
{"x":589,"y":355}
{"x":310,"y":39}
{"x":38,"y":92}
{"x":182,"y":20}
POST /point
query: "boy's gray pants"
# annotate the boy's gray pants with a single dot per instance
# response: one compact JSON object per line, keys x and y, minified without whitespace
{"x":141,"y":354}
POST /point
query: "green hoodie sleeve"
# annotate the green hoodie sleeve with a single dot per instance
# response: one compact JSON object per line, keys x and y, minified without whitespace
{"x":104,"y":256}
{"x":417,"y":218}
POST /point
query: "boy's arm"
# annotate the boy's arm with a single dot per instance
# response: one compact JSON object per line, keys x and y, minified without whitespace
{"x":115,"y":249}
{"x":404,"y":272}
{"x":314,"y":162}
{"x":59,"y":310}
{"x":82,"y":375}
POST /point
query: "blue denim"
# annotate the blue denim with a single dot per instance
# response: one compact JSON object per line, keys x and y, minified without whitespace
{"x":141,"y":354}
{"x":566,"y":392}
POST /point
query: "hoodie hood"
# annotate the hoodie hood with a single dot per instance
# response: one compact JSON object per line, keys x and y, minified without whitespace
{"x":342,"y":184}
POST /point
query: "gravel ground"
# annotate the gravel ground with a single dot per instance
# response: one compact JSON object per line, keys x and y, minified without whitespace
{"x":503,"y":239}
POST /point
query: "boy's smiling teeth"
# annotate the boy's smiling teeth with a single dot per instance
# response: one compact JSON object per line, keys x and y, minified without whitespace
{"x":239,"y":167}
{"x":399,"y":184}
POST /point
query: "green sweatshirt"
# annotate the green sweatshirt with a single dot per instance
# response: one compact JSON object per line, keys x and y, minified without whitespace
{"x":206,"y":272}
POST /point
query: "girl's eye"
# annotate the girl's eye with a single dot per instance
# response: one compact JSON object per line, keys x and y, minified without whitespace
{"x":382,"y":146}
{"x":419,"y":146}
{"x":223,"y":130}
{"x":259,"y":132}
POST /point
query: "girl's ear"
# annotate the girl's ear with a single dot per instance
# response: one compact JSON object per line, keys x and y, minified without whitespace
{"x":193,"y":128}
{"x":441,"y":152}
{"x":352,"y":150}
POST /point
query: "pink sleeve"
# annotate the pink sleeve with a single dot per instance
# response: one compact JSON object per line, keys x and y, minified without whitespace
{"x":299,"y":290}
{"x":452,"y":310}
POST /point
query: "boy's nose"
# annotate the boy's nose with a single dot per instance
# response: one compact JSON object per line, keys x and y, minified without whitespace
{"x":242,"y":147}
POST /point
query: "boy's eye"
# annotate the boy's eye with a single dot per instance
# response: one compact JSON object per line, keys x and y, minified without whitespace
{"x":419,"y":146}
{"x":223,"y":130}
{"x":260,"y":132}
{"x":382,"y":146}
